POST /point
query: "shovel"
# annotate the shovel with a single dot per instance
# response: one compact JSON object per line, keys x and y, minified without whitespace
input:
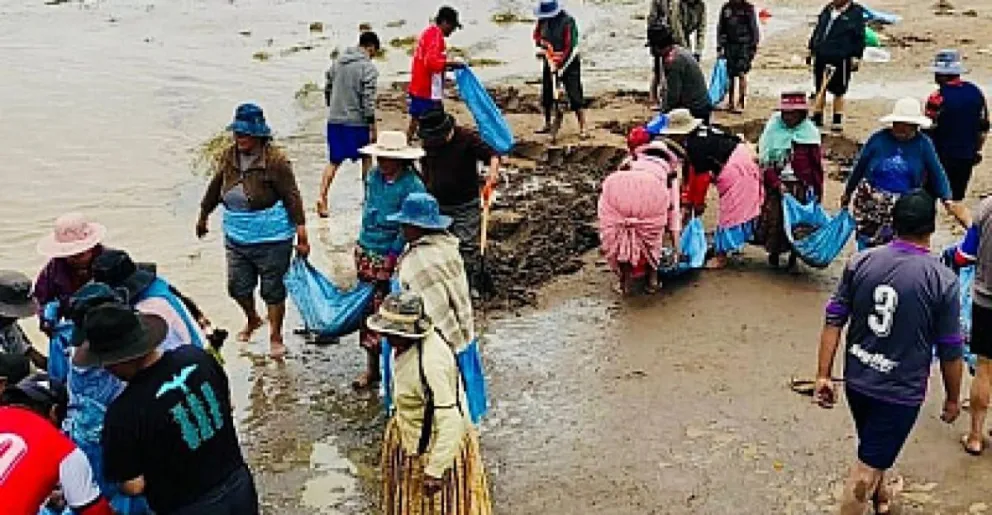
{"x":485,"y":282}
{"x":821,"y":96}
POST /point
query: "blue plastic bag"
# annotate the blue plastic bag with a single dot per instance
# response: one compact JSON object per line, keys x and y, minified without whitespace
{"x":657,"y":124}
{"x":492,"y":125}
{"x":693,"y":244}
{"x":719,"y":82}
{"x":821,"y":247}
{"x":58,"y":343}
{"x":326,"y":309}
{"x":879,"y":16}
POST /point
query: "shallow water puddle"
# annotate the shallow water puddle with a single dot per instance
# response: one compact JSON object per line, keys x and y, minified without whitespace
{"x":335,"y":481}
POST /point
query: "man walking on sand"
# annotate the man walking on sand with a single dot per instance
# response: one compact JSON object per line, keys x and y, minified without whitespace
{"x":430,"y":61}
{"x":838,"y":41}
{"x":350,"y":98}
{"x":901,"y":304}
{"x":961,"y":121}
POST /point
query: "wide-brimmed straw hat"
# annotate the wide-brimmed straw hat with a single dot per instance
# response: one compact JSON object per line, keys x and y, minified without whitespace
{"x":116,"y":269}
{"x":907,"y":110}
{"x":680,"y":121}
{"x":73,"y":234}
{"x":15,"y":295}
{"x":421,"y":210}
{"x":401,"y":314}
{"x":393,"y":145}
{"x":793,"y":101}
{"x":948,"y":62}
{"x":115,"y":333}
{"x":547,"y":9}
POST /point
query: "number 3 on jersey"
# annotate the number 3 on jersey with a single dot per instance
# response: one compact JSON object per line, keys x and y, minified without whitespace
{"x":886,"y":303}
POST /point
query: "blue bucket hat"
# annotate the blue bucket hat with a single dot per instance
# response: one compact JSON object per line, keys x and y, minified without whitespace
{"x":249,"y":119}
{"x":948,"y":62}
{"x":421,"y":210}
{"x":547,"y":9}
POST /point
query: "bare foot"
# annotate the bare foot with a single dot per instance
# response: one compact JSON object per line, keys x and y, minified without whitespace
{"x":277,"y":349}
{"x":717,"y":263}
{"x":882,"y":500}
{"x":244,"y":335}
{"x":971,"y":446}
{"x":322,"y":209}
{"x":365,"y":381}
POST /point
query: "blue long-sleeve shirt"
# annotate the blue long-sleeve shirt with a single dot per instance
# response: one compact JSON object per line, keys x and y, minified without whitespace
{"x":900,"y":166}
{"x":384,"y":198}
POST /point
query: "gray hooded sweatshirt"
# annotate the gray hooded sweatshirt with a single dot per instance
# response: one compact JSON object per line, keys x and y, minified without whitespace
{"x":350,"y":90}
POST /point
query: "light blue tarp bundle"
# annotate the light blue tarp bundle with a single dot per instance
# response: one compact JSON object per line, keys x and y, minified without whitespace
{"x":326,"y":309}
{"x":264,"y":226}
{"x":879,"y":16}
{"x":693,"y":245}
{"x":492,"y":125}
{"x":966,"y":278}
{"x":469,"y":362}
{"x":821,"y":247}
{"x":719,"y":82}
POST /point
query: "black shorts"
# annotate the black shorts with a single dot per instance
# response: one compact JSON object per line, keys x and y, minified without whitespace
{"x":981,"y":331}
{"x":883,"y":428}
{"x":571,"y":78}
{"x":959,"y":175}
{"x":739,"y":59}
{"x":841,"y":78}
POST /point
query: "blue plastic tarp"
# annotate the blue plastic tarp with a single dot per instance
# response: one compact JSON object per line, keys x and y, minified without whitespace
{"x":821,"y":247}
{"x":493,"y":128}
{"x":326,"y":309}
{"x":879,"y":16}
{"x":719,"y":82}
{"x":693,"y":246}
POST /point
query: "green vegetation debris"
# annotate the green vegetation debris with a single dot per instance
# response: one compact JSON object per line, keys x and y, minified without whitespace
{"x":296,"y":48}
{"x":455,"y":51}
{"x":317,"y":26}
{"x":261,"y":55}
{"x":306,"y":90}
{"x":244,"y":33}
{"x":207,"y":156}
{"x":508,"y":17}
{"x":407,"y":42}
{"x":364,"y":27}
{"x":57,"y":2}
{"x":380,"y":55}
{"x":483,"y":62}
{"x":395,"y":24}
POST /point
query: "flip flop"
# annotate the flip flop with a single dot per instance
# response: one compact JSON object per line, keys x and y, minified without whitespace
{"x":969,"y":450}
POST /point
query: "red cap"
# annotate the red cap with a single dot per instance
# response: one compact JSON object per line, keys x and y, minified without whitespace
{"x":638,"y":137}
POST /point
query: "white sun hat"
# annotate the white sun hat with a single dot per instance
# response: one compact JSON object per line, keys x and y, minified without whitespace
{"x":73,"y":234}
{"x":392,"y":144}
{"x":907,"y":110}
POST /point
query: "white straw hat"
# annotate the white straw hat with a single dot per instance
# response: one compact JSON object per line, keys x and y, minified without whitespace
{"x":392,"y":144}
{"x":907,"y":110}
{"x":681,"y":121}
{"x":73,"y":235}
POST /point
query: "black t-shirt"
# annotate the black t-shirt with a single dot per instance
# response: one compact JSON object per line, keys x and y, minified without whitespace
{"x":451,"y":170}
{"x":709,"y":148}
{"x":173,"y":425}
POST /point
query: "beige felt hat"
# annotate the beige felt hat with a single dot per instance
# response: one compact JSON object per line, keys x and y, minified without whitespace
{"x":73,"y":234}
{"x":907,"y":110}
{"x":392,"y":144}
{"x":680,"y":121}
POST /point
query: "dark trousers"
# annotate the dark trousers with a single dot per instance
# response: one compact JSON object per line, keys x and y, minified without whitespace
{"x":959,"y":174}
{"x":571,"y":78}
{"x":235,"y":496}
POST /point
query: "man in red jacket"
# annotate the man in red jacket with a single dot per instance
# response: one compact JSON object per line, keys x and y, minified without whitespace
{"x":429,"y":64}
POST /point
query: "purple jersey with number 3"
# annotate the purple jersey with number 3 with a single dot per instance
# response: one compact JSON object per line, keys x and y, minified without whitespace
{"x":900,"y":302}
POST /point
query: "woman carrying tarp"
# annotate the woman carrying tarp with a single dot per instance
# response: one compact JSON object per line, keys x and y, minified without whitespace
{"x":263,"y":215}
{"x":737,"y":178}
{"x":791,"y":155}
{"x":638,"y":206}
{"x":380,"y":241}
{"x":431,"y":460}
{"x":894,"y":161}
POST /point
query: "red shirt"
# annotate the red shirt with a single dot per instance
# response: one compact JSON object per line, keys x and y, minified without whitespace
{"x":34,"y":458}
{"x":429,"y":60}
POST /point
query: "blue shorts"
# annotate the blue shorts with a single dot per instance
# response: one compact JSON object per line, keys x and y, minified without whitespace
{"x":344,"y":142}
{"x":418,"y":106}
{"x":883,"y":428}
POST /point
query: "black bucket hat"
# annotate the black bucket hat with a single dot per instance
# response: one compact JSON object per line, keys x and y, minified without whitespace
{"x":116,"y":269}
{"x":91,"y":295}
{"x":15,"y":295}
{"x":435,"y":125}
{"x":115,"y":334}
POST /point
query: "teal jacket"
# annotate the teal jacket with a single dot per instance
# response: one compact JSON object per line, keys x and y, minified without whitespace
{"x":379,"y":235}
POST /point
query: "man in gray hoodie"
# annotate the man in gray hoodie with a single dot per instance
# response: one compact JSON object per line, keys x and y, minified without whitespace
{"x":350,"y":97}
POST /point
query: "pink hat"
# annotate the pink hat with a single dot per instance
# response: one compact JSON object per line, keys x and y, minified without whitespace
{"x":793,"y":101}
{"x":73,"y":235}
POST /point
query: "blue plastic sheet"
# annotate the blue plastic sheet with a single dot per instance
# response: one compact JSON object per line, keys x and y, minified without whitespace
{"x":719,"y":81}
{"x":264,"y":226}
{"x":821,"y":247}
{"x":693,"y":245}
{"x":657,"y":124}
{"x":58,"y":343}
{"x":492,"y":125}
{"x":879,"y":16}
{"x":326,"y":309}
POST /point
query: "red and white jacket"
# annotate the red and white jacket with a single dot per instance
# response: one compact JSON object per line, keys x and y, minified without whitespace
{"x":429,"y":61}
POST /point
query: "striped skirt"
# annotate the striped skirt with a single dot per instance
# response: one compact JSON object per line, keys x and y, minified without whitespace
{"x":465,"y":490}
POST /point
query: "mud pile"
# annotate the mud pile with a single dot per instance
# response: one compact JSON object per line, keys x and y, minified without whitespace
{"x":544,"y":220}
